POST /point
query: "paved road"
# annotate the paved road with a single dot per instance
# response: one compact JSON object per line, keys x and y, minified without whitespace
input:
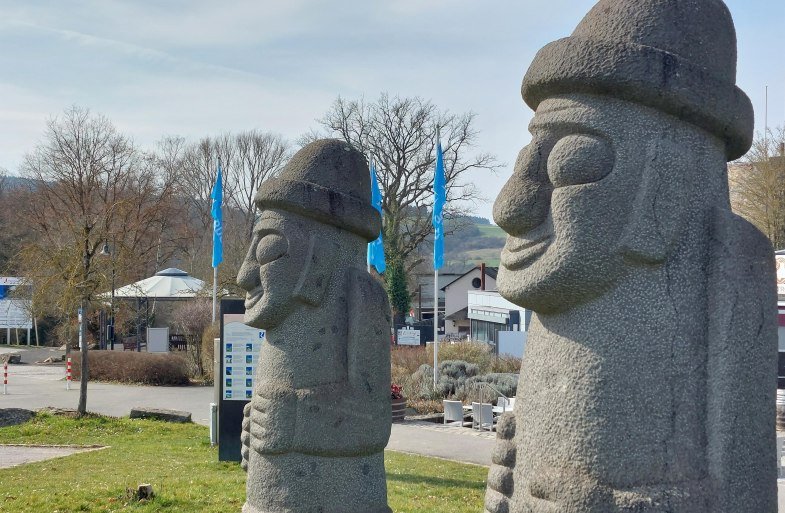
{"x":36,"y":386}
{"x":39,"y":386}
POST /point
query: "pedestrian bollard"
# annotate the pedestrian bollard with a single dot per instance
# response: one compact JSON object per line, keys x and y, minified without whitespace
{"x":68,"y":374}
{"x":5,"y":377}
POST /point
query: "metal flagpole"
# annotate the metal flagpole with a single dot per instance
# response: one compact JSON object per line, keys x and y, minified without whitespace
{"x":766,"y":123}
{"x":368,"y":260}
{"x":215,"y":290}
{"x":435,"y":326}
{"x":217,"y":197}
{"x":437,"y":173}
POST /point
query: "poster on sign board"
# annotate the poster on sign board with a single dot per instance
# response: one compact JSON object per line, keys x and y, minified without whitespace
{"x":14,"y":311}
{"x":780,"y":262}
{"x":241,"y":355}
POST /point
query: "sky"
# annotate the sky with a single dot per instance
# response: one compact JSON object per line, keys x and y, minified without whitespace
{"x":194,"y":68}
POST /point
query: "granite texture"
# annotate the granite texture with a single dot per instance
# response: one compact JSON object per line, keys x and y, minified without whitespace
{"x":316,"y":427}
{"x":648,"y":382}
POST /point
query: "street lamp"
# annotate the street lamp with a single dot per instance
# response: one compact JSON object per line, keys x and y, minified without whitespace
{"x":106,"y":251}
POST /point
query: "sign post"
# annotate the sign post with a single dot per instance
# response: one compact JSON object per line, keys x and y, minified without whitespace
{"x":79,"y":316}
{"x":239,"y":356}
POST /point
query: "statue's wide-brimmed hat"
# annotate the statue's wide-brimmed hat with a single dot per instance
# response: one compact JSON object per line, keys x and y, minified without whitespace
{"x":328,"y":181}
{"x":677,"y":56}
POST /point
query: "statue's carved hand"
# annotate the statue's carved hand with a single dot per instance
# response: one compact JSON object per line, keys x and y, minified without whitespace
{"x":271,"y":418}
{"x":245,"y":437}
{"x":500,"y":476}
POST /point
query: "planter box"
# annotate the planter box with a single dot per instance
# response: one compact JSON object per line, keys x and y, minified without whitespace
{"x":398,"y":409}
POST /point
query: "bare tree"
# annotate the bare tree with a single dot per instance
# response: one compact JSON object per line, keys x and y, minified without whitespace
{"x":260,"y":155}
{"x":757,"y":185}
{"x":89,"y":186}
{"x":399,"y":135}
{"x":247,"y":159}
{"x":198,"y":171}
{"x":191,"y":318}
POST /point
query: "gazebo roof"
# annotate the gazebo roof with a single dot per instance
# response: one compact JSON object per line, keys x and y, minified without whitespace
{"x":170,"y":283}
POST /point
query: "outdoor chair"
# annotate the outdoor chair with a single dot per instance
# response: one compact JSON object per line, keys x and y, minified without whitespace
{"x":482,"y":416}
{"x":453,"y":413}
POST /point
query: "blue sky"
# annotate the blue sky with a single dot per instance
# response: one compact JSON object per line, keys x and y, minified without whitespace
{"x":195,"y":68}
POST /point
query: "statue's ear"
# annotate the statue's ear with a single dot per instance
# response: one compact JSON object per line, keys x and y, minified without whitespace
{"x":660,"y":208}
{"x":317,"y":271}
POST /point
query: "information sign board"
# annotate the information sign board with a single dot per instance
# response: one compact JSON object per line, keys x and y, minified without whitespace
{"x":408,"y":337}
{"x":241,"y":345}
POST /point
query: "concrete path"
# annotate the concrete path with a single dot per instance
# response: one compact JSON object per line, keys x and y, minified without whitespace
{"x":451,"y":443}
{"x":13,"y":455}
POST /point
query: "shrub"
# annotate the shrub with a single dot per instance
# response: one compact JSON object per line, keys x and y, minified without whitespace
{"x":133,"y":367}
{"x":419,"y":385}
{"x":212,"y":332}
{"x":425,"y":406}
{"x":408,"y":359}
{"x":191,"y":318}
{"x":506,"y":364}
{"x":458,"y":362}
{"x":505,"y":383}
{"x":478,"y":353}
{"x":453,"y":375}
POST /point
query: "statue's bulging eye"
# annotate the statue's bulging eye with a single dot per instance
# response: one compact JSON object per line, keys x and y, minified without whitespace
{"x":271,"y":246}
{"x":579,"y":159}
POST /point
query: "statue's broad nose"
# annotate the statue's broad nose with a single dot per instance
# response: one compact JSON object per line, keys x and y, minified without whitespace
{"x":524,"y":201}
{"x":248,"y":275}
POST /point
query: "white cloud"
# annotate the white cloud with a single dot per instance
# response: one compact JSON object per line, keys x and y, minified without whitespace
{"x":197,"y":67}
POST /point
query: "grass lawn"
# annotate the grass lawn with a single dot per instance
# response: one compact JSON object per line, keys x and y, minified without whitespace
{"x":185,"y":473}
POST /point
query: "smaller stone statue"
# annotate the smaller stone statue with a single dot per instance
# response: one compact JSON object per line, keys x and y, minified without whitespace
{"x":315,"y":429}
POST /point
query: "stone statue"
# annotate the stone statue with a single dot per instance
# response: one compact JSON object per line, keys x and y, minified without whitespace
{"x":649,"y":377}
{"x":315,"y":429}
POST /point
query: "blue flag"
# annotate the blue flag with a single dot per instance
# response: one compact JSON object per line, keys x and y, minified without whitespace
{"x":376,"y":248}
{"x":439,"y":198}
{"x":218,"y":229}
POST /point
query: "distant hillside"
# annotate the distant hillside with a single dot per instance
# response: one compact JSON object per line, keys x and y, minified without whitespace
{"x":479,"y":220}
{"x":477,"y":242}
{"x":13,"y":182}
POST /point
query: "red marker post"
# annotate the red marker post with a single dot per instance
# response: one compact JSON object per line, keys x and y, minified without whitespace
{"x":68,"y":374}
{"x":5,"y":378}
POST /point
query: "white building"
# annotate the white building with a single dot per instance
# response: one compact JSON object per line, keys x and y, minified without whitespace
{"x":456,"y":298}
{"x":422,"y":295}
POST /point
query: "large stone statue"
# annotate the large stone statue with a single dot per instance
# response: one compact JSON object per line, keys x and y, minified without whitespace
{"x":315,"y":429}
{"x":648,"y":381}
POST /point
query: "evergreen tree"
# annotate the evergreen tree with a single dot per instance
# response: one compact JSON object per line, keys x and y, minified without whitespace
{"x":397,"y":290}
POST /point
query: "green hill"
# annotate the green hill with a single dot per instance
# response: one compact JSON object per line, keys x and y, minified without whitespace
{"x":477,"y":242}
